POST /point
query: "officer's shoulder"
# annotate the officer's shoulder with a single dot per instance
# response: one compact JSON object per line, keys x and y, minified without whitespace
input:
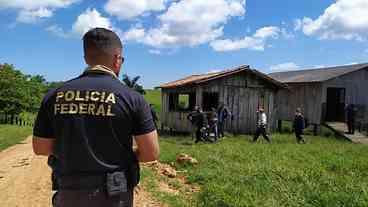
{"x":49,"y":94}
{"x":52,"y":91}
{"x":130,"y":93}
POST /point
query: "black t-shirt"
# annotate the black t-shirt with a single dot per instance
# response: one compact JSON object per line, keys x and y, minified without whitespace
{"x":92,"y":119}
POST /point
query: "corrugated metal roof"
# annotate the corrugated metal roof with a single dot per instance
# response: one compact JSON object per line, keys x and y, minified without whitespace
{"x":316,"y":75}
{"x":203,"y":78}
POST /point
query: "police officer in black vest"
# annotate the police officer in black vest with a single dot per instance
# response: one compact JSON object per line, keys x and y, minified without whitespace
{"x":87,"y":126}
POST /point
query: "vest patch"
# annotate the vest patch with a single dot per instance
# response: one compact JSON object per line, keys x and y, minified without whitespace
{"x":95,"y":103}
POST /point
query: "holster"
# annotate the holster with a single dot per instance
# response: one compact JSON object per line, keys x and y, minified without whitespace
{"x":133,"y":175}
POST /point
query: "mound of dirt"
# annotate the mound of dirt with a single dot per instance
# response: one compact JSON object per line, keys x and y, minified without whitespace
{"x":186,"y":159}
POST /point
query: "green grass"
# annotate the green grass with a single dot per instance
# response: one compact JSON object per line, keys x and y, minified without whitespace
{"x":150,"y":182}
{"x":235,"y":172}
{"x":154,"y":97}
{"x":11,"y":135}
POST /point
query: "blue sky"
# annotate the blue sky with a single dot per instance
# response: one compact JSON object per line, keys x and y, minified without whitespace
{"x":168,"y":39}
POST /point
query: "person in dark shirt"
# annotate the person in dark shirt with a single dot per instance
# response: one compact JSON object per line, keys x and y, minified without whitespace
{"x":199,"y":120}
{"x":350,"y":118}
{"x":299,"y":125}
{"x":222,"y":114}
{"x":87,"y":127}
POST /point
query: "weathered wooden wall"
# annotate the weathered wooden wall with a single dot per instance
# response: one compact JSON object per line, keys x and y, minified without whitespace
{"x":308,"y":97}
{"x":312,"y":97}
{"x":240,"y":93}
{"x":356,"y":91}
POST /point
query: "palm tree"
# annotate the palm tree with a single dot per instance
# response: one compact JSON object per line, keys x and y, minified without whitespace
{"x":133,"y":83}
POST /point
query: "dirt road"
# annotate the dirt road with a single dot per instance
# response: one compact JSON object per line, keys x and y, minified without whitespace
{"x":25,"y":180}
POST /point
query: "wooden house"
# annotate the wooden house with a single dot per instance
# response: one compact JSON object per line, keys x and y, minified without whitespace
{"x":241,"y":89}
{"x":323,"y":93}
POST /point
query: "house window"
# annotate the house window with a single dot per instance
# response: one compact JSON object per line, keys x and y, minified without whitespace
{"x":210,"y":100}
{"x":182,"y":102}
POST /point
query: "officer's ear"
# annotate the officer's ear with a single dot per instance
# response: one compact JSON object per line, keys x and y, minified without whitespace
{"x":86,"y":60}
{"x":117,"y":62}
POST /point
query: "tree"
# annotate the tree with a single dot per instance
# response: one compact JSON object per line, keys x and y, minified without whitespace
{"x":133,"y":83}
{"x":36,"y":88}
{"x":13,"y":97}
{"x":19,"y":92}
{"x":54,"y":85}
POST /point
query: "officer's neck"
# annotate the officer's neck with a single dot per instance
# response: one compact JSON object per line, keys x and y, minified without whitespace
{"x":108,"y":67}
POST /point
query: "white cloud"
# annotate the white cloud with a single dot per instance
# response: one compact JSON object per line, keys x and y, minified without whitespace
{"x":284,"y":67}
{"x":89,"y":19}
{"x":213,"y":71}
{"x":319,"y":66}
{"x":32,"y":11}
{"x":298,"y":24}
{"x":189,"y":23}
{"x":58,"y":31}
{"x":128,"y":9}
{"x":255,"y":42}
{"x":135,"y":33}
{"x":31,"y":16}
{"x":345,"y":19}
{"x":155,"y":52}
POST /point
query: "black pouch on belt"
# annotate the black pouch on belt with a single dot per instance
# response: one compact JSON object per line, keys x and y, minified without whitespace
{"x":116,"y":183}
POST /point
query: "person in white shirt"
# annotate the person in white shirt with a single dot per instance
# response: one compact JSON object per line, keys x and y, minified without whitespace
{"x":261,"y":125}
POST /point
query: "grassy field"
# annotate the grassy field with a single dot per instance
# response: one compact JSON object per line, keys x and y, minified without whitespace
{"x":235,"y":172}
{"x":10,"y":135}
{"x":154,"y":97}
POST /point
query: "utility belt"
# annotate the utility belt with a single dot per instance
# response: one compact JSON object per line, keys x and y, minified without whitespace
{"x":113,"y":183}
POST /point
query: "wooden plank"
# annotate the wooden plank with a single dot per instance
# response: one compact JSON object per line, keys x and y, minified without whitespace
{"x":340,"y":128}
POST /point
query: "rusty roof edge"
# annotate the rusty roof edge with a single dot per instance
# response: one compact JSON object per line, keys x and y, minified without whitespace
{"x":363,"y":65}
{"x":268,"y":78}
{"x":221,"y":73}
{"x":224,"y":74}
{"x":347,"y":73}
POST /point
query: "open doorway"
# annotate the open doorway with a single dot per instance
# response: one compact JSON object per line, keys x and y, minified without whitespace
{"x":210,"y":100}
{"x":335,"y":104}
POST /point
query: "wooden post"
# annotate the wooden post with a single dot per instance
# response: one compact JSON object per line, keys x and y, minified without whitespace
{"x":279,"y":126}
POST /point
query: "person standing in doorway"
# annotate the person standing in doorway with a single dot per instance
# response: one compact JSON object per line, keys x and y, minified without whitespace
{"x":261,"y":126}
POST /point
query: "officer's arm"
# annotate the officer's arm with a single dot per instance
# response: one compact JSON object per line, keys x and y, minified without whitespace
{"x":42,"y":146}
{"x":148,"y":147}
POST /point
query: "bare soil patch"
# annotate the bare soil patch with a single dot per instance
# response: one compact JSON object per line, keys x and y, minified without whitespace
{"x":25,"y":180}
